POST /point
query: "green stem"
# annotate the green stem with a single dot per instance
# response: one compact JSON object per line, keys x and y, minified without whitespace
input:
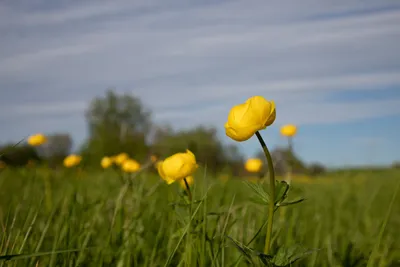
{"x":188,"y":190}
{"x":188,"y":237}
{"x":271,"y":207}
{"x":290,"y":160}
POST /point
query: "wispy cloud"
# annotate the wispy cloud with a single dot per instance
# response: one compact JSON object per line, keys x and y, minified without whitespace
{"x":302,"y":113}
{"x":196,"y":59}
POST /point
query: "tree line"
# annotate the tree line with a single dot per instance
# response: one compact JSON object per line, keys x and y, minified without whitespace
{"x":121,"y":123}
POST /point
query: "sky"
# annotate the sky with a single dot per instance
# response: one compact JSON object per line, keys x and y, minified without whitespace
{"x":332,"y":68}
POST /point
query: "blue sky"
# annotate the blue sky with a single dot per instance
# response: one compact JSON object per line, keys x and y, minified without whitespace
{"x":332,"y":67}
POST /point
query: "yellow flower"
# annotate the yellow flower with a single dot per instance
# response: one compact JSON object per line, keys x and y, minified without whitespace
{"x":106,"y":162}
{"x":130,"y":165}
{"x":72,"y":160}
{"x":245,"y":119}
{"x":253,"y":165}
{"x":189,"y":180}
{"x":120,"y":158}
{"x":177,"y":166}
{"x":37,"y":139}
{"x":289,"y":130}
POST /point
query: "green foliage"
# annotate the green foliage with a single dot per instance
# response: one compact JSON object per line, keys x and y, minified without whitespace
{"x":284,"y":160}
{"x":202,"y":141}
{"x":18,"y":155}
{"x":117,"y":123}
{"x":111,"y":222}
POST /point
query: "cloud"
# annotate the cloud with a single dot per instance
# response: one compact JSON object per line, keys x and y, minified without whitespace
{"x":190,"y":62}
{"x":43,"y":109}
{"x":307,"y":113}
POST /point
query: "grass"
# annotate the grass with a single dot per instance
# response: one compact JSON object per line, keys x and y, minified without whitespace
{"x":93,"y":218}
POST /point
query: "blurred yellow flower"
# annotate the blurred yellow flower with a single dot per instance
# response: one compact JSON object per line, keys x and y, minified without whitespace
{"x":37,"y":139}
{"x":2,"y":164}
{"x":120,"y":158}
{"x":189,"y":180}
{"x":106,"y":162}
{"x":130,"y":165}
{"x":245,"y":119}
{"x":253,"y":165}
{"x":289,"y":130}
{"x":177,"y":166}
{"x":72,"y":160}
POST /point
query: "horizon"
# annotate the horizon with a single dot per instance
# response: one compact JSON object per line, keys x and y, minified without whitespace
{"x":333,"y":69}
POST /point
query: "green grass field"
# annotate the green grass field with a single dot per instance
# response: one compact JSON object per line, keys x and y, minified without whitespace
{"x":98,"y":219}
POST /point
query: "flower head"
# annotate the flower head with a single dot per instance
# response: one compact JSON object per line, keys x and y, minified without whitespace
{"x":289,"y":130}
{"x":120,"y":158}
{"x":106,"y":162}
{"x":189,"y":180}
{"x":253,"y":165}
{"x":245,"y":119}
{"x":37,"y":139}
{"x":72,"y":160}
{"x":130,"y":165}
{"x":177,"y":166}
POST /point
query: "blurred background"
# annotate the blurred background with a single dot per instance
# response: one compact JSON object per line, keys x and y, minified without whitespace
{"x":332,"y":67}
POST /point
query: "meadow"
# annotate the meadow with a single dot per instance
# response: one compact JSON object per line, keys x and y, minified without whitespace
{"x":78,"y":217}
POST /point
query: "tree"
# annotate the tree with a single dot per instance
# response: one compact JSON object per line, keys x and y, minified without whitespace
{"x":316,"y":169}
{"x":202,"y":141}
{"x":117,"y":123}
{"x":281,"y":158}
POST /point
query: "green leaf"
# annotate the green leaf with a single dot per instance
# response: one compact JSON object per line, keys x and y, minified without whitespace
{"x":247,"y":252}
{"x":291,"y":202}
{"x":263,"y":197}
{"x":286,"y":256}
{"x":281,"y":189}
{"x":266,"y":259}
{"x":25,"y":256}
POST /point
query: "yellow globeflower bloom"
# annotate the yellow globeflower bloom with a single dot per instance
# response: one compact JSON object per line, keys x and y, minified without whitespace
{"x":189,"y":180}
{"x":253,"y":165}
{"x":130,"y":165}
{"x":106,"y":162}
{"x":72,"y":160}
{"x":289,"y":130}
{"x":245,"y":119}
{"x":37,"y":139}
{"x":120,"y":158}
{"x":177,"y":167}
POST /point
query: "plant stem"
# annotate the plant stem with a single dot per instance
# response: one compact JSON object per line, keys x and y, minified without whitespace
{"x":290,"y":161}
{"x":271,"y":206}
{"x":188,"y":190}
{"x":188,"y":238}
